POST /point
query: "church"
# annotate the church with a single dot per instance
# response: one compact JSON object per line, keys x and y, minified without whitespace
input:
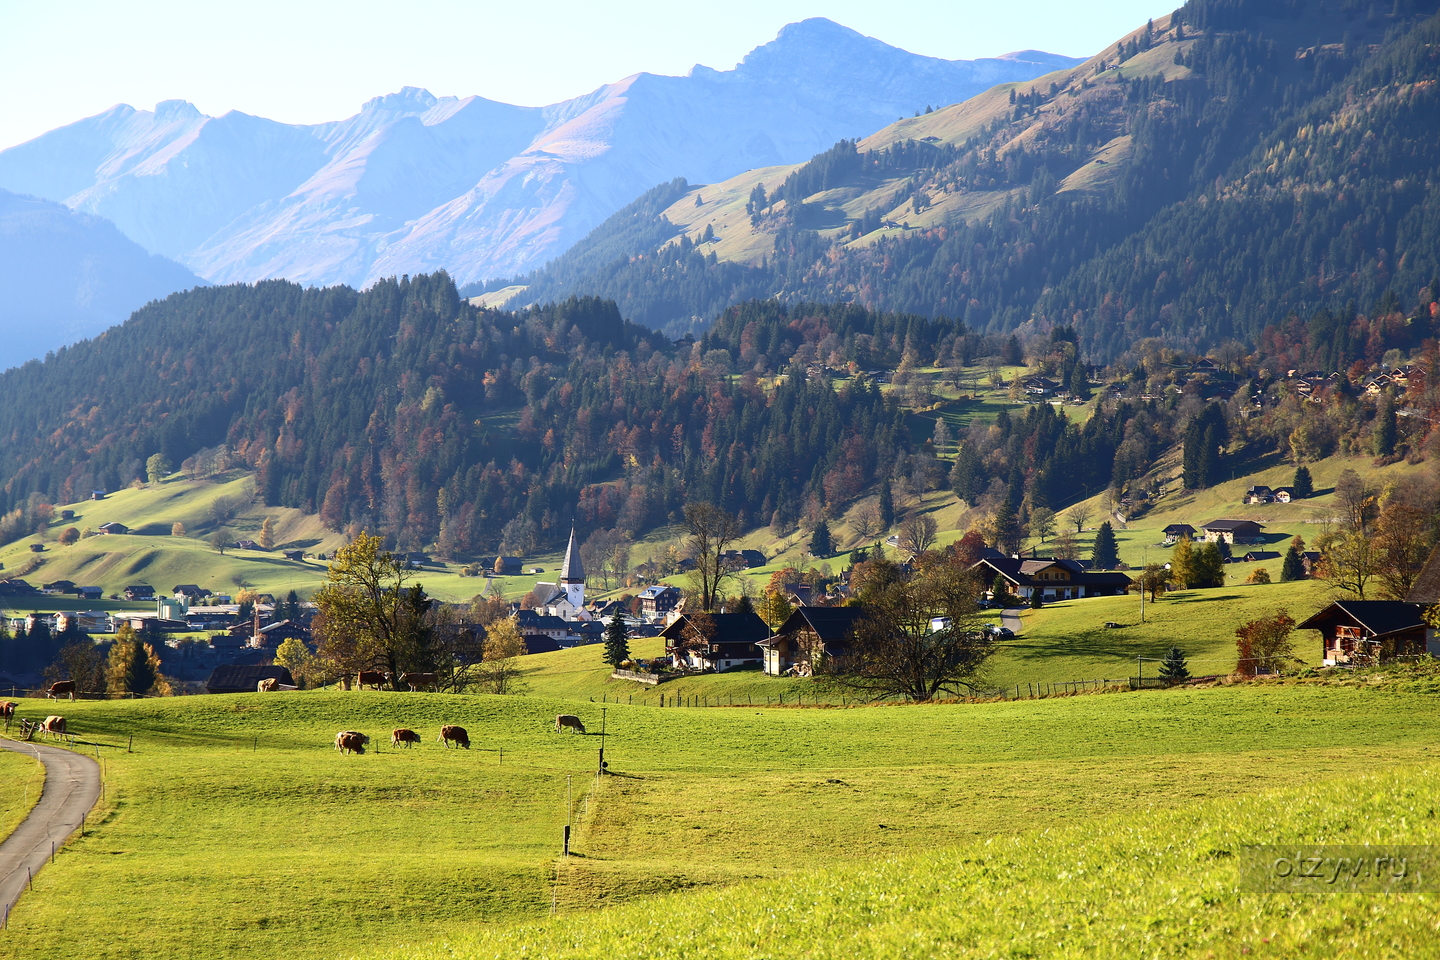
{"x":565,"y":599}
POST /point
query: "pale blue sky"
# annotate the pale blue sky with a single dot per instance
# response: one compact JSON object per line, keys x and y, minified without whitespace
{"x":305,"y":61}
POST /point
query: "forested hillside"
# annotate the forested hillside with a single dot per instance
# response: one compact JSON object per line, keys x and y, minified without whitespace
{"x":403,"y":409}
{"x":1213,"y":173}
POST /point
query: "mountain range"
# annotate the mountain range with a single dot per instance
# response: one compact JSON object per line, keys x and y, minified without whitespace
{"x":415,"y":182}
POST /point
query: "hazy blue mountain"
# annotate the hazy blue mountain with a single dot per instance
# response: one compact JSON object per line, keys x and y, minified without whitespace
{"x":414,"y":182}
{"x":65,"y":276}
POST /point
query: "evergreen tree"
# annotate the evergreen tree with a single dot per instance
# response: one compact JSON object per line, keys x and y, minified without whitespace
{"x":1080,"y":382}
{"x":1005,"y":530}
{"x":1382,"y":435}
{"x":1175,"y":668}
{"x":617,"y":642}
{"x":1182,"y":563}
{"x":820,"y":543}
{"x":1292,"y":568}
{"x":1209,"y":567}
{"x":1106,"y":555}
{"x":1302,"y":487}
{"x":887,"y":506}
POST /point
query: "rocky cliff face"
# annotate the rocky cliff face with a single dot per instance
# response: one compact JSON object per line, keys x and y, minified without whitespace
{"x":414,"y":182}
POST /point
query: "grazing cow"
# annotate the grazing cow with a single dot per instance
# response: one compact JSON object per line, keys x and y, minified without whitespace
{"x":450,"y":732}
{"x":267,"y":685}
{"x":568,"y":720}
{"x":53,"y":725}
{"x":7,"y":709}
{"x":60,"y":688}
{"x":418,"y":680}
{"x":370,"y":678}
{"x":404,"y":736}
{"x":349,"y":741}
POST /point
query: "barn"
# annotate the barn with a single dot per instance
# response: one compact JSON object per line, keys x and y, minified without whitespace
{"x":242,"y":678}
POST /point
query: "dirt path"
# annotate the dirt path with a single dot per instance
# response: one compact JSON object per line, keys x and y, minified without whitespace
{"x":72,"y":785}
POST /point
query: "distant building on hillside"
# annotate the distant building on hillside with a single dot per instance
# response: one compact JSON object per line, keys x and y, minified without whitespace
{"x":1233,"y":531}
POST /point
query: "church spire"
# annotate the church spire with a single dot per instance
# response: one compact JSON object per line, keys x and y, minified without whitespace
{"x":572,"y":571}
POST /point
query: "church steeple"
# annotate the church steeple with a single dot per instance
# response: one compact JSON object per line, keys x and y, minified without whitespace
{"x":572,"y":571}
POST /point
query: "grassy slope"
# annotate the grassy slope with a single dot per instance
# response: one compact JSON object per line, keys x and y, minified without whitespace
{"x":208,"y":848}
{"x":21,"y":779}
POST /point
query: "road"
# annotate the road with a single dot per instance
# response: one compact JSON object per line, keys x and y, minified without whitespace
{"x":1010,"y":617}
{"x":72,"y":785}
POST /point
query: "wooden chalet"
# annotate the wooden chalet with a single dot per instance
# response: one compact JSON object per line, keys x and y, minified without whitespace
{"x":139,"y":592}
{"x":113,"y":527}
{"x":1234,"y":531}
{"x":732,"y":640}
{"x":810,"y":636}
{"x":240,"y":678}
{"x":1367,"y":631}
{"x":1050,"y":579}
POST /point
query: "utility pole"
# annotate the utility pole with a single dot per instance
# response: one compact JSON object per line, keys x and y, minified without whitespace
{"x":1144,"y":563}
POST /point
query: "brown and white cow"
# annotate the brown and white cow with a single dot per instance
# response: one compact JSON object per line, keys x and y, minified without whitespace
{"x":418,"y":680}
{"x":7,"y":709}
{"x":564,"y":720}
{"x":60,"y":688}
{"x":267,"y":685}
{"x":404,"y":736}
{"x":451,"y":732}
{"x":54,"y":725}
{"x":370,"y":678}
{"x":350,"y":741}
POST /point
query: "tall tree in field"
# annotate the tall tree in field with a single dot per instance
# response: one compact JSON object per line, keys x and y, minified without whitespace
{"x":367,"y":609}
{"x":711,"y":532}
{"x":157,"y":468}
{"x":133,"y":667}
{"x":1302,"y":487}
{"x":1042,"y":523}
{"x":617,"y":642}
{"x":918,"y":532}
{"x":887,"y":506}
{"x":1208,"y":567}
{"x":1079,"y":515}
{"x":293,"y":655}
{"x":1175,"y":668}
{"x":1005,"y":532}
{"x":1182,"y":563}
{"x":1403,"y":539}
{"x":1292,"y":568}
{"x":820,"y":542}
{"x":267,"y":534}
{"x":504,"y":646}
{"x":895,"y":652}
{"x":1382,"y":435}
{"x":1106,"y":554}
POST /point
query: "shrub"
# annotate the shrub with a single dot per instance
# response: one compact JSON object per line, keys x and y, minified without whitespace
{"x":1258,"y":575}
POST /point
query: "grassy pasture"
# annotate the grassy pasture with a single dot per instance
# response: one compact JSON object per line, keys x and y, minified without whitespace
{"x":208,"y":846}
{"x":21,"y":778}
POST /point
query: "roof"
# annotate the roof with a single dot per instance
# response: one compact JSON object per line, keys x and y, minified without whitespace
{"x":729,"y":628}
{"x":1254,"y":555}
{"x":1380,"y":617}
{"x":657,"y":591}
{"x":1022,"y":572}
{"x":829,"y":623}
{"x":1179,"y":528}
{"x":242,"y":678}
{"x":1230,"y":524}
{"x":572,"y":570}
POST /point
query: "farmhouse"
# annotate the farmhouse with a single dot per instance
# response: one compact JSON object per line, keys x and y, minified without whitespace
{"x":1233,"y":531}
{"x":293,"y":554}
{"x":139,"y":592}
{"x":808,"y":638}
{"x":1179,"y":531}
{"x":1259,"y":493}
{"x":507,"y":566}
{"x":1050,"y":579}
{"x":716,"y":641}
{"x":1259,"y":556}
{"x":113,"y":527}
{"x":1370,"y":630}
{"x":189,"y":591}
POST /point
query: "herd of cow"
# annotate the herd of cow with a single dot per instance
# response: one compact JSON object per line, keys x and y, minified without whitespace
{"x":53,"y":725}
{"x":353,"y":741}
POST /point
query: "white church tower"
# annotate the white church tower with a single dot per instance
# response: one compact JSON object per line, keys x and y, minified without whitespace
{"x":572,"y":575}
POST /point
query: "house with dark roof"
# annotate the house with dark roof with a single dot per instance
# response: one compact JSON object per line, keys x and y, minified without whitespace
{"x":113,"y":527}
{"x":1259,"y":556}
{"x":1179,"y":531}
{"x":658,"y":600}
{"x":1055,"y":579}
{"x":1259,"y":493}
{"x":716,"y":641}
{"x":189,"y":590}
{"x":1233,"y":531}
{"x":241,"y":678}
{"x":1368,"y":631}
{"x":528,"y":622}
{"x":507,"y":566}
{"x":139,"y":592}
{"x":810,"y":637}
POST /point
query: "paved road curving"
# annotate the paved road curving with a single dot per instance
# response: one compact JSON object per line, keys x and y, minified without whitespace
{"x":72,"y":785}
{"x":1010,"y":617}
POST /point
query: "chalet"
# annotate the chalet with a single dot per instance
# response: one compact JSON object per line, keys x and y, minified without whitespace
{"x":1260,"y":556}
{"x":67,"y":515}
{"x":236,"y":678}
{"x":97,"y":494}
{"x":247,"y":545}
{"x":1310,"y":560}
{"x":743,"y":559}
{"x":90,"y":593}
{"x":728,"y":640}
{"x":658,"y":600}
{"x":1367,"y":631}
{"x":1259,"y":493}
{"x":542,"y":643}
{"x":37,"y":548}
{"x":1179,"y":531}
{"x":1039,"y":386}
{"x":1283,"y":494}
{"x":507,"y":566}
{"x":528,"y":621}
{"x":1378,"y":385}
{"x":810,"y":637}
{"x":59,"y":586}
{"x":15,"y":587}
{"x":139,"y":592}
{"x":189,"y":591}
{"x":1205,"y":365}
{"x":293,"y":554}
{"x":113,"y":527}
{"x":1051,"y":579}
{"x":1233,"y":531}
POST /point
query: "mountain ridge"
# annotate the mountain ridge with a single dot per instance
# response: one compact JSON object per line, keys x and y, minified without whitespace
{"x":414,"y":182}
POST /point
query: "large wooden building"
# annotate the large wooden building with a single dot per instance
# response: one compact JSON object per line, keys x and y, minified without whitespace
{"x":1368,"y":631}
{"x":716,"y":641}
{"x":808,"y":638}
{"x":1051,"y":579}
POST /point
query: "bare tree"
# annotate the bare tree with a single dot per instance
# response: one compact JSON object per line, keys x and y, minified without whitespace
{"x":1350,"y":564}
{"x":711,"y":530}
{"x":866,"y":521}
{"x":918,"y":532}
{"x":1042,"y":523}
{"x":1403,"y":540}
{"x":1079,"y":515}
{"x":1357,"y":501}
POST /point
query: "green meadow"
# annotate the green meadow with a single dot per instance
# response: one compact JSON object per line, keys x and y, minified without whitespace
{"x":21,"y":778}
{"x":234,"y":828}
